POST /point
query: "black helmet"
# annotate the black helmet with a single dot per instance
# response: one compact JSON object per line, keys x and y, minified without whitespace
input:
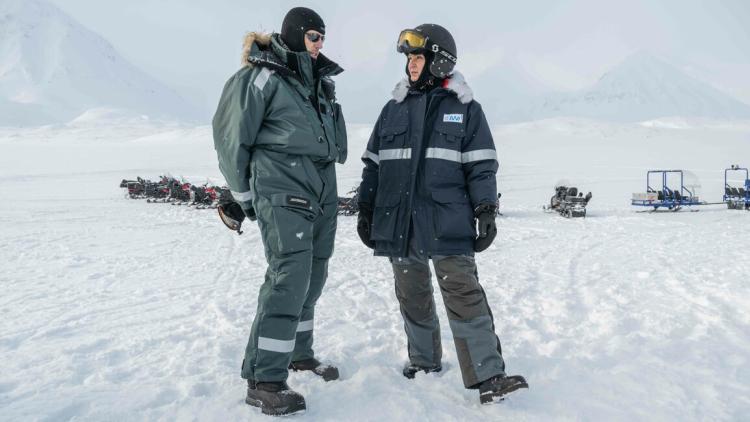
{"x":432,"y":38}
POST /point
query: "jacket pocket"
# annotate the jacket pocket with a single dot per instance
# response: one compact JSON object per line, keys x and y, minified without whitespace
{"x":293,"y":218}
{"x":449,"y":134}
{"x":453,"y":216}
{"x":393,"y":136}
{"x":385,"y":216}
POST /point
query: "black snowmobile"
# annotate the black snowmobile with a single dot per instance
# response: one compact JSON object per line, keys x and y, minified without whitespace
{"x":568,"y":202}
{"x":135,"y":188}
{"x":348,"y":205}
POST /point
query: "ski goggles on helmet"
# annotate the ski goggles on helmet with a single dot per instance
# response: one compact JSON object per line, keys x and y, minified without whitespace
{"x":410,"y":40}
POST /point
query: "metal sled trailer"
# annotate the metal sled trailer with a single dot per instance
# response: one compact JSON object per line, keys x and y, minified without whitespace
{"x":737,"y":197}
{"x":660,"y":195}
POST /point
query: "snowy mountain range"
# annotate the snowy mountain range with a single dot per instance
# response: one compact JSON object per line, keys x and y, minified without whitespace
{"x":52,"y":69}
{"x":642,"y":87}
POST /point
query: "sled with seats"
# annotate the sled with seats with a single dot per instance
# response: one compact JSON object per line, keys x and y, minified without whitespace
{"x":668,"y":189}
{"x":737,"y":192}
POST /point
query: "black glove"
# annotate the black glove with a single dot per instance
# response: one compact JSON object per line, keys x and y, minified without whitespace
{"x":232,"y":215}
{"x":364,"y":223}
{"x":486,"y":228}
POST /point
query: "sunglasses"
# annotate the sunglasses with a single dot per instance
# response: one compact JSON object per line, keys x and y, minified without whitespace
{"x":315,"y":37}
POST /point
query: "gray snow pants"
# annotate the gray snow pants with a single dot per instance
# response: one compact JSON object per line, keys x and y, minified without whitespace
{"x":297,"y":247}
{"x":469,"y":315}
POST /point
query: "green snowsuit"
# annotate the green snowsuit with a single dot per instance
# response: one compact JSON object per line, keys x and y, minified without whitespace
{"x":277,"y":132}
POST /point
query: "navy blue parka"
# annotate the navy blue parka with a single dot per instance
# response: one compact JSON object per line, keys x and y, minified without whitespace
{"x":429,"y":163}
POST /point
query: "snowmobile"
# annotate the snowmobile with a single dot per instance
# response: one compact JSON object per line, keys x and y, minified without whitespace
{"x":176,"y":192}
{"x":348,"y":205}
{"x":203,"y":196}
{"x":135,"y":188}
{"x":737,"y":197}
{"x":154,"y":190}
{"x":160,"y":191}
{"x":180,"y":193}
{"x":568,"y":202}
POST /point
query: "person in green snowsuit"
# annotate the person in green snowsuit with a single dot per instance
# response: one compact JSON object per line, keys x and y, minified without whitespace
{"x":278,"y":131}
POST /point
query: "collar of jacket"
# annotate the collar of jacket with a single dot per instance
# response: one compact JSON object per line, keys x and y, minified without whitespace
{"x":454,"y":83}
{"x":268,"y":50}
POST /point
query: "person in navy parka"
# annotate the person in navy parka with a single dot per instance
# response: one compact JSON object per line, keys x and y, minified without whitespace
{"x":428,"y":184}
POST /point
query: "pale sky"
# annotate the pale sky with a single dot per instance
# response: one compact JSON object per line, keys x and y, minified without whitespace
{"x":194,"y":46}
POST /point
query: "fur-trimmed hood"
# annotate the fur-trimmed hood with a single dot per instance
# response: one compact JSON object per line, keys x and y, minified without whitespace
{"x":261,"y":39}
{"x":455,"y":83}
{"x":268,"y":50}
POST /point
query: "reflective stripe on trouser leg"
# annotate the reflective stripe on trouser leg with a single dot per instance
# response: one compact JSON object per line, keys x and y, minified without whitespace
{"x":303,"y":347}
{"x":417,"y":305}
{"x":470,"y":319}
{"x":272,"y":339}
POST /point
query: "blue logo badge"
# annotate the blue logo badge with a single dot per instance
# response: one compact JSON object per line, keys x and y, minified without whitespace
{"x":453,"y":118}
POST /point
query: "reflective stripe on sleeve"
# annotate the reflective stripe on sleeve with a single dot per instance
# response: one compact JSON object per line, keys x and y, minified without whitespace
{"x":479,"y":155}
{"x":305,"y":325}
{"x":273,"y":345}
{"x":241,"y":196}
{"x":395,"y":154}
{"x":371,"y":156}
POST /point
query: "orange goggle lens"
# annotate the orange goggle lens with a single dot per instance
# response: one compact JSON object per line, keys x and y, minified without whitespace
{"x":410,"y":40}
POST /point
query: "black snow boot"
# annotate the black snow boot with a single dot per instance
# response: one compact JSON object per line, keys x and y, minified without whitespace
{"x":327,"y":372}
{"x":410,"y":370}
{"x":274,"y":398}
{"x":495,"y":388}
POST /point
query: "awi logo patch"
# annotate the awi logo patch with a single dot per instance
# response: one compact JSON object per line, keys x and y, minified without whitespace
{"x":453,"y":118}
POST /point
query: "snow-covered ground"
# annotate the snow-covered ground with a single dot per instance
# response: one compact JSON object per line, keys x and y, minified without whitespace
{"x":115,"y":309}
